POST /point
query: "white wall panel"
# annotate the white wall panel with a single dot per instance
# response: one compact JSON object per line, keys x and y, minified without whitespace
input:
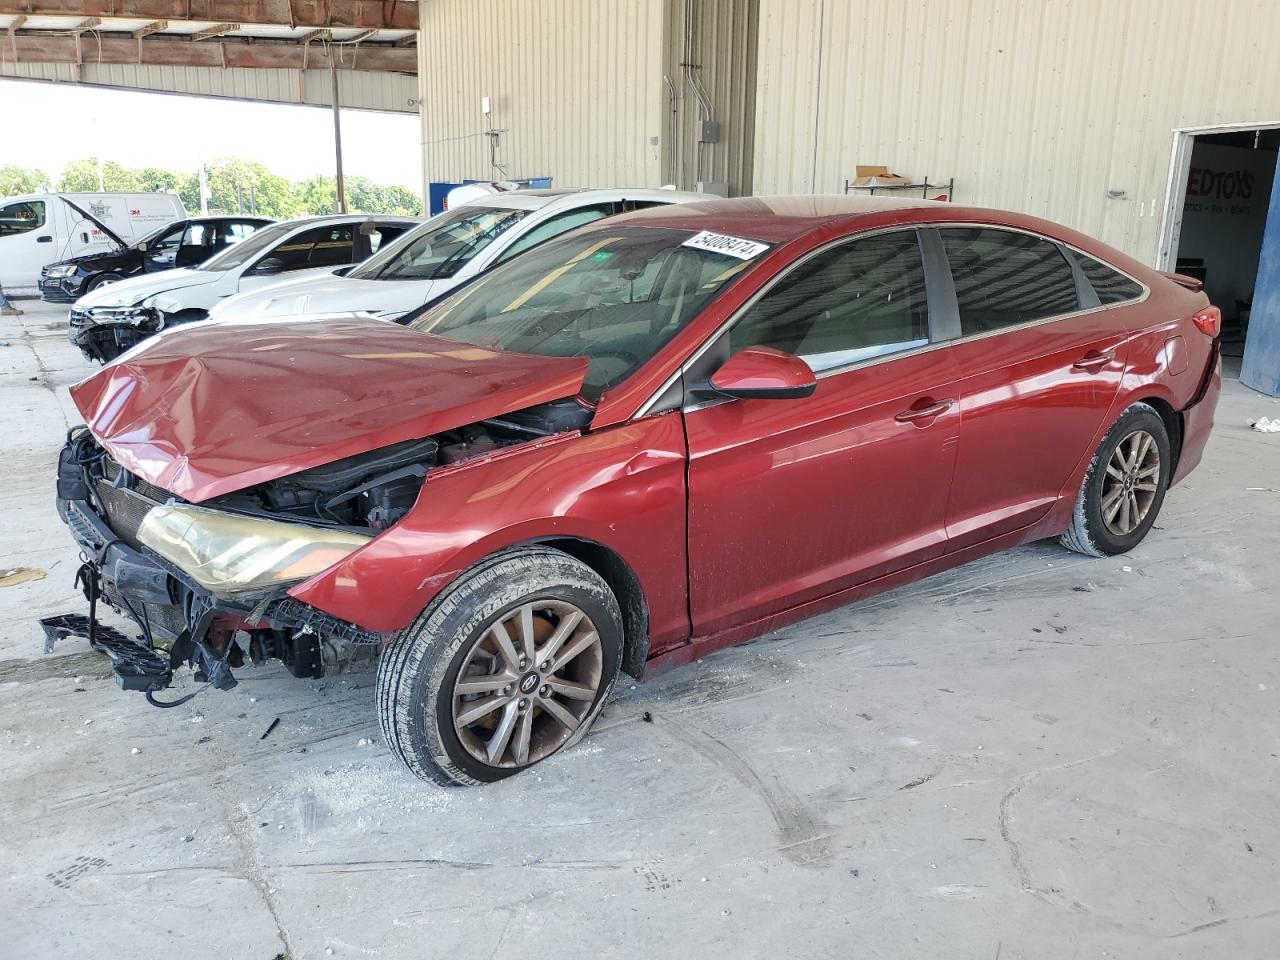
{"x":1031,"y":105}
{"x":575,"y":86}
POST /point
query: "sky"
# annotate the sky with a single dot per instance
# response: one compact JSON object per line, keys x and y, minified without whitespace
{"x":47,"y":124}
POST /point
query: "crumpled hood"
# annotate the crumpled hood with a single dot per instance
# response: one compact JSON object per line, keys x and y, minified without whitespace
{"x":328,"y":294}
{"x":218,"y":407}
{"x":128,"y":293}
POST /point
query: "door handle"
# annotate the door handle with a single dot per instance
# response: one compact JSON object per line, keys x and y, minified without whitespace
{"x":44,"y":239}
{"x":917,"y":414}
{"x":1093,"y":361}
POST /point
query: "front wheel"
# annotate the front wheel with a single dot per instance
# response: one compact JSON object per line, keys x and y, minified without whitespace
{"x":511,"y":666}
{"x":1124,"y":486}
{"x":102,"y":280}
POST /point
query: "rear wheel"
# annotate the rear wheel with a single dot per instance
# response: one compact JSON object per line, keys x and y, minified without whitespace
{"x":508,"y":668}
{"x":1124,"y":486}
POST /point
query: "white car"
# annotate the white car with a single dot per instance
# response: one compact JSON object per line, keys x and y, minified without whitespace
{"x":443,"y":254}
{"x":111,"y":319}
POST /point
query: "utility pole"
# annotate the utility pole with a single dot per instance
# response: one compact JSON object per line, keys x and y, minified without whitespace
{"x":337,"y":137}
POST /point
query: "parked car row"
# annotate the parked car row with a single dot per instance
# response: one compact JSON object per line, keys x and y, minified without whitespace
{"x":112,"y":319}
{"x":613,"y":447}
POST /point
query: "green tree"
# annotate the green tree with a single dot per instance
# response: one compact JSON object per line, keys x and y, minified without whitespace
{"x":317,"y":195}
{"x":15,"y":180}
{"x":238,"y":185}
{"x":365,"y":196}
{"x":155,"y":180}
{"x":81,"y":176}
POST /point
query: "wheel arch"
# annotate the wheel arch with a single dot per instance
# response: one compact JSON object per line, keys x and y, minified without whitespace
{"x":1172,"y":424}
{"x":626,"y":587}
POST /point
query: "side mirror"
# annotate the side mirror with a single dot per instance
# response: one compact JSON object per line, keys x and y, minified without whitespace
{"x":267,"y":267}
{"x":764,"y":373}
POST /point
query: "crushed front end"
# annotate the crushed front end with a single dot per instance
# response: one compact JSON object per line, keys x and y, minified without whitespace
{"x":223,"y":602}
{"x":103,"y":333}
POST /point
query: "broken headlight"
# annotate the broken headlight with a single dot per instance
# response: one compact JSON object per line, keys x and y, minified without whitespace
{"x":230,"y":555}
{"x":134,"y":316}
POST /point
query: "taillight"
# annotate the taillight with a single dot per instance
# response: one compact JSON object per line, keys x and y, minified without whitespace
{"x":1209,"y":320}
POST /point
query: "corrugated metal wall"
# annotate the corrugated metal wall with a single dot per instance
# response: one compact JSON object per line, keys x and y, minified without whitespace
{"x":1032,"y":105}
{"x":723,"y":48}
{"x":356,"y":88}
{"x":575,"y":86}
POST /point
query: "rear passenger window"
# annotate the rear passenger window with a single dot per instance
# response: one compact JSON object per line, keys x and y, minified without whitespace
{"x":1111,"y":286}
{"x":853,"y":302}
{"x":1004,"y":278}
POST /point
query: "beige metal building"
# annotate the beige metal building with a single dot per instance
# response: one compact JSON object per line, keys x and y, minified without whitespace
{"x":1083,"y":111}
{"x":590,"y":93}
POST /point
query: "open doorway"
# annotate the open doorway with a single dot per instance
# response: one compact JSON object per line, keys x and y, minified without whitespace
{"x":1222,"y":215}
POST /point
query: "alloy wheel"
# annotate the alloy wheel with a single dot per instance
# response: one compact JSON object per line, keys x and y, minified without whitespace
{"x":1131,"y":482}
{"x":527,"y":683}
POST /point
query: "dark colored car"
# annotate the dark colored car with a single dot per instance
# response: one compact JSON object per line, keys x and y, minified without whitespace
{"x":657,"y":436}
{"x":182,"y":243}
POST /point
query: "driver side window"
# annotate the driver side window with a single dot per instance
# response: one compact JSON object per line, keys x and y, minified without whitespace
{"x":853,"y":302}
{"x":169,"y":241}
{"x":21,"y":217}
{"x":318,"y":247}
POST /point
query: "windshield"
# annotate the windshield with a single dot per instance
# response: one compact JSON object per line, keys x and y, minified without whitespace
{"x":614,"y":296}
{"x":441,"y":247}
{"x":247,"y":249}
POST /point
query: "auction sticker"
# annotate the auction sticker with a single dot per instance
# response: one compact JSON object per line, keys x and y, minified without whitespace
{"x":722,"y":243}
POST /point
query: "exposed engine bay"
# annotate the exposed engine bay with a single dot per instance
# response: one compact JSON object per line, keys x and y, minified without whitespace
{"x":376,"y":489}
{"x":184,"y":619}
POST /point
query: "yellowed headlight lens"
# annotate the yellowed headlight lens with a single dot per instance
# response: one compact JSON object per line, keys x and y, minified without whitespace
{"x":230,"y":555}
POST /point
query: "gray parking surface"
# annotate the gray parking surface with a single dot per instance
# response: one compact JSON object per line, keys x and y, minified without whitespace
{"x":1035,"y":755}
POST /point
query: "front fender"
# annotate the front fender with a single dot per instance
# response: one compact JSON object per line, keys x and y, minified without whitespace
{"x":623,"y":488}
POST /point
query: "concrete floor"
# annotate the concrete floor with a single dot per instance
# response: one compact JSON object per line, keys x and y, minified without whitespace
{"x":1036,"y":755}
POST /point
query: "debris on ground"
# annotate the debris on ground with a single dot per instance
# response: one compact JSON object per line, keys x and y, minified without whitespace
{"x":647,"y":717}
{"x":135,"y":750}
{"x":364,"y":742}
{"x":271,"y":726}
{"x":917,"y":782}
{"x":1266,"y":424}
{"x":16,"y":575}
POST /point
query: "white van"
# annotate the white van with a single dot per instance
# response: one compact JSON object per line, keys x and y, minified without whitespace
{"x":43,"y":228}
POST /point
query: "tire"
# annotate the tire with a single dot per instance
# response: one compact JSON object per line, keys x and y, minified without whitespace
{"x":102,"y":280}
{"x":417,"y":697}
{"x":1102,"y":524}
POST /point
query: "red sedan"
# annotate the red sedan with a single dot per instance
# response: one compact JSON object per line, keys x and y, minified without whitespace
{"x":633,"y":445}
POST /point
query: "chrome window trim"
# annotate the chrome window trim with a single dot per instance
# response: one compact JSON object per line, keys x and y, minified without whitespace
{"x":733,"y":318}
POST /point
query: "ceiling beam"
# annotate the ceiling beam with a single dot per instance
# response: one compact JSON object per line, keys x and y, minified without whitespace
{"x":84,"y":26}
{"x":155,"y":26}
{"x":217,"y":30}
{"x":168,"y":51}
{"x":337,"y":14}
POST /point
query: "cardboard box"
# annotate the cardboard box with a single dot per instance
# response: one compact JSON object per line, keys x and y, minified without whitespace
{"x":871,"y":175}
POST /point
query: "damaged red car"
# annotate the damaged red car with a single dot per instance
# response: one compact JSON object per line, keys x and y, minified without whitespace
{"x":654,"y":437}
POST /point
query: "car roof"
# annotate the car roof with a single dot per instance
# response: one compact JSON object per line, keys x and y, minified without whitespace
{"x":771,"y":219}
{"x":337,"y":218}
{"x":581,"y":197}
{"x":213,"y":218}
